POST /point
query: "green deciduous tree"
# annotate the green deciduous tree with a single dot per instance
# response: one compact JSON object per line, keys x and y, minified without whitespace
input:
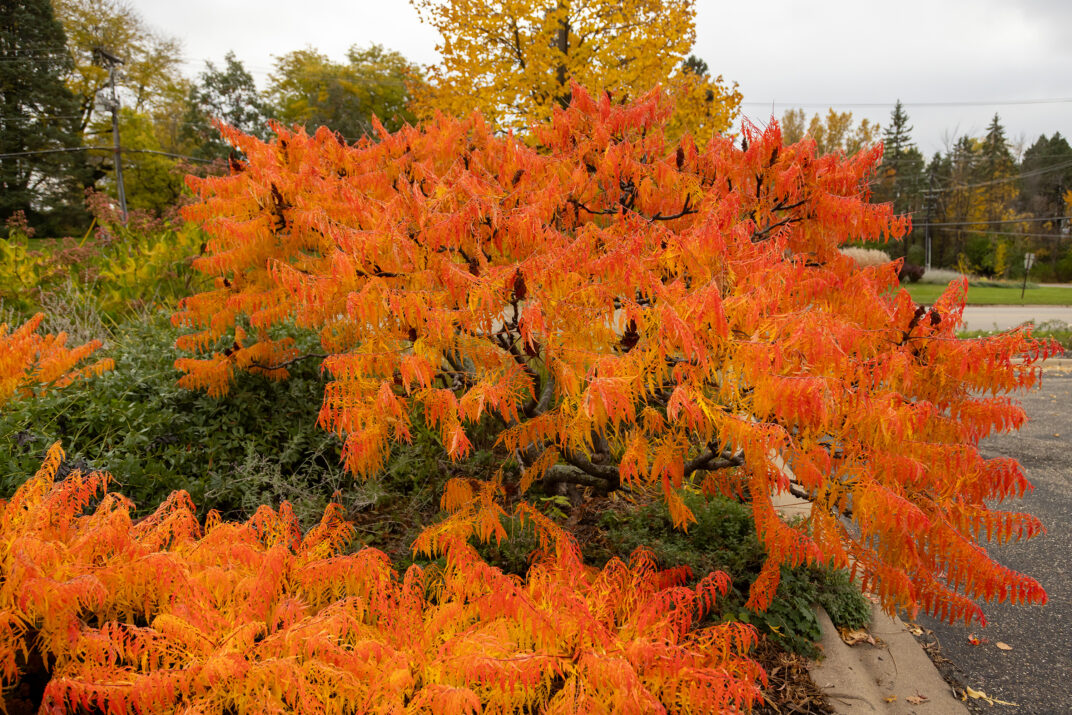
{"x":227,"y":94}
{"x":149,"y":87}
{"x":309,"y":89}
{"x":152,"y":180}
{"x":151,"y":60}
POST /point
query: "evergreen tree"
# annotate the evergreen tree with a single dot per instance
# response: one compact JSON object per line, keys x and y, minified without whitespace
{"x":1047,"y":175}
{"x":1047,"y":169}
{"x":901,"y":177}
{"x":997,"y":169}
{"x":957,"y":206}
{"x":696,"y":65}
{"x":37,"y":114}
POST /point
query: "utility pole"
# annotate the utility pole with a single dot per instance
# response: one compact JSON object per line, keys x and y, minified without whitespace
{"x":111,"y":62}
{"x":1029,"y":260}
{"x":930,"y":202}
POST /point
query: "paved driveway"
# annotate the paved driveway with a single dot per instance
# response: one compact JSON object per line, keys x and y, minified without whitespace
{"x":1037,"y":673}
{"x":1003,"y":317}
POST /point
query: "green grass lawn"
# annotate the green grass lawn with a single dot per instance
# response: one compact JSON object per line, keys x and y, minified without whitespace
{"x":996,"y":295}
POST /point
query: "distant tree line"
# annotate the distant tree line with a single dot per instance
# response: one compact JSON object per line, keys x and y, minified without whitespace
{"x":54,"y":107}
{"x":984,"y":202}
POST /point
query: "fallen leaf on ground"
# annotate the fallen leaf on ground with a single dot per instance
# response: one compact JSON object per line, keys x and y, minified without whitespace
{"x":854,"y":636}
{"x":916,"y":699}
{"x":976,"y":640}
{"x":970,"y":692}
{"x":890,"y":698}
{"x":1003,"y":646}
{"x":914,"y":629}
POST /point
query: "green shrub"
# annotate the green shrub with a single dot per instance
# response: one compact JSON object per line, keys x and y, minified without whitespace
{"x":1063,"y":271}
{"x":120,"y":267}
{"x":260,"y":443}
{"x":841,"y":598}
{"x":724,"y":538}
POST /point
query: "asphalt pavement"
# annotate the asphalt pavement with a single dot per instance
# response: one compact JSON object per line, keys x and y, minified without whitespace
{"x":1034,"y":670}
{"x":1003,"y":317}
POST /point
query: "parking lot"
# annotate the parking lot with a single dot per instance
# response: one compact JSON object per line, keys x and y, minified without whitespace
{"x":1036,"y":672}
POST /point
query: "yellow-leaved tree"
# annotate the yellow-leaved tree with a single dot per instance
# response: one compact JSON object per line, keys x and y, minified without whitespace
{"x":513,"y":60}
{"x":835,"y":132}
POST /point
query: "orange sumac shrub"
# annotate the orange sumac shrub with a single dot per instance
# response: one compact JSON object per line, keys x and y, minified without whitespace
{"x":164,"y":616}
{"x":634,"y":314}
{"x":31,"y":362}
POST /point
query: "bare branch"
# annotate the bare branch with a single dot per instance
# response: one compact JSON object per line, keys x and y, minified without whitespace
{"x":712,"y":458}
{"x":608,"y":473}
{"x":283,"y":364}
{"x":765,"y":232}
{"x":566,"y":474}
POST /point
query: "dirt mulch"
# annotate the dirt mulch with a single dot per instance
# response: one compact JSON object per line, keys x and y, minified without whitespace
{"x":790,"y":690}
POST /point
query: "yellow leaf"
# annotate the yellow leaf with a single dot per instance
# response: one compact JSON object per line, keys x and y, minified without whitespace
{"x":581,"y":42}
{"x":852,"y":637}
{"x":970,"y":692}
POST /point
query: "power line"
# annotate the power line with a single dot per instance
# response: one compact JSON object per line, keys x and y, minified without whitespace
{"x":1061,"y":166}
{"x":952,"y":103}
{"x":1025,"y":175}
{"x":1024,"y":234}
{"x":40,"y":117}
{"x":13,"y":154}
{"x":1011,"y":220}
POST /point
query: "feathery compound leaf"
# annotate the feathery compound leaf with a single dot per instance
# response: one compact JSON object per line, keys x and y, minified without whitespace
{"x":30,"y":363}
{"x":248,"y":618}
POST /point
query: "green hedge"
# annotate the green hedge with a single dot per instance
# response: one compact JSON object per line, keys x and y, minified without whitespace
{"x":257,"y":445}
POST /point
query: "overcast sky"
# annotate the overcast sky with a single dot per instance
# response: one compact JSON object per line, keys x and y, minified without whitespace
{"x":954,"y":63}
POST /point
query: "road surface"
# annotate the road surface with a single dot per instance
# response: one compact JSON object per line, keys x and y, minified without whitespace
{"x":1036,"y":673}
{"x":1003,"y":317}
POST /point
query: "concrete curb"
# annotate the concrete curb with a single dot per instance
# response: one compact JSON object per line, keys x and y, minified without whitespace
{"x":893,"y":676}
{"x":1057,"y":365}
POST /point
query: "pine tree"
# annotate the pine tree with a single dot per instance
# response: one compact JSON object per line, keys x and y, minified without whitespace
{"x":901,"y":176}
{"x":1047,"y":176}
{"x":996,"y":169}
{"x":1047,"y":169}
{"x":36,"y":115}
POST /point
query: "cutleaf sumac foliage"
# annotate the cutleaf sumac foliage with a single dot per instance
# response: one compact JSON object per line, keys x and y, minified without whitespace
{"x":31,"y":362}
{"x":634,"y":314}
{"x":163,"y":615}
